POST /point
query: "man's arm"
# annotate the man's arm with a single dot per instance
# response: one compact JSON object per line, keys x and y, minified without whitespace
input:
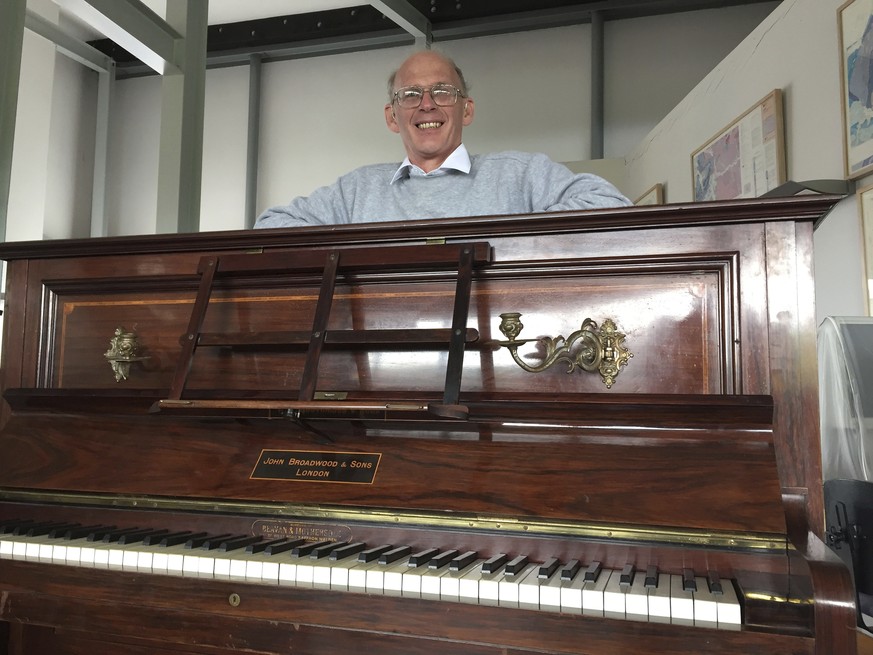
{"x":325,"y":206}
{"x":557,"y":188}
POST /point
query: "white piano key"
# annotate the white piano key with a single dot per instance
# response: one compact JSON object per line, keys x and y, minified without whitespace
{"x":392,"y":583}
{"x":705,"y":607}
{"x":592,"y":593}
{"x":507,"y":587}
{"x":614,"y":596}
{"x":571,"y":594}
{"x":450,"y":583}
{"x":681,"y":602}
{"x":637,"y":599}
{"x":358,"y":575}
{"x":468,"y":585}
{"x":339,"y":573}
{"x":550,"y":593}
{"x":728,"y":607}
{"x":489,"y":588}
{"x":529,"y":590}
{"x":659,"y":600}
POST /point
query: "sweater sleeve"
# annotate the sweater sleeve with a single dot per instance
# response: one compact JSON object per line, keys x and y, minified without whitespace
{"x":557,"y":188}
{"x":325,"y":206}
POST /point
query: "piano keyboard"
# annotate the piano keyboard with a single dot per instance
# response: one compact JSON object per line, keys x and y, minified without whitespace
{"x":501,"y":581}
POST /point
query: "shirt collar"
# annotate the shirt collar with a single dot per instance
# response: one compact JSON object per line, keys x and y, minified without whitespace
{"x":459,"y":161}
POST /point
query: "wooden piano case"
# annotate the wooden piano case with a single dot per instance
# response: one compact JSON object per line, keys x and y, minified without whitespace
{"x":369,"y":383}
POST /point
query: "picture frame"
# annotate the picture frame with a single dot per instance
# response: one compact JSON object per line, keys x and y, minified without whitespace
{"x":746,"y":158}
{"x":654,"y":196}
{"x":856,"y":56}
{"x":865,"y":212}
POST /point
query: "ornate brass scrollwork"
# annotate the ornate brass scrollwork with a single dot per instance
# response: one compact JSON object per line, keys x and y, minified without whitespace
{"x":588,"y":348}
{"x":124,"y":349}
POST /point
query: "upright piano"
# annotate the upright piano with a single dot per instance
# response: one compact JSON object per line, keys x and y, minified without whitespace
{"x":581,"y":432}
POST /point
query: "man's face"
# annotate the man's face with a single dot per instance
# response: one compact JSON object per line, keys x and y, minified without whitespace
{"x":430,"y":133}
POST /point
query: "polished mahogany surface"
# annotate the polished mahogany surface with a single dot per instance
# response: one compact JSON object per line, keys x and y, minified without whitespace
{"x":702,"y":452}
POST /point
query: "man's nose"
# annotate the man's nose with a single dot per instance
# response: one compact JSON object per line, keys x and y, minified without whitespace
{"x":427,"y":100}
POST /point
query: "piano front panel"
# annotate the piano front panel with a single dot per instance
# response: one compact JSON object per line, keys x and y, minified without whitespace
{"x":700,"y":345}
{"x":685,"y":462}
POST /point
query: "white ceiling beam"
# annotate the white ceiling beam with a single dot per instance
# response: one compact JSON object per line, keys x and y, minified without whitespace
{"x":408,"y":18}
{"x":134,"y":27}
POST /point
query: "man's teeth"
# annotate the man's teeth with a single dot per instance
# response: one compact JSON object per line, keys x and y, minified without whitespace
{"x":429,"y":126}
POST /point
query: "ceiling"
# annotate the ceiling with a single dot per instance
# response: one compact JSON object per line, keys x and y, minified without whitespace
{"x":286,"y":29}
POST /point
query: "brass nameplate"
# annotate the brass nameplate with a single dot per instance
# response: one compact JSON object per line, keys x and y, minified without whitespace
{"x":298,"y":530}
{"x":316,"y":466}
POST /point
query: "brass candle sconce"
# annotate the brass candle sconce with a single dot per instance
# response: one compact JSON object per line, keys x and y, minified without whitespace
{"x":589,"y":348}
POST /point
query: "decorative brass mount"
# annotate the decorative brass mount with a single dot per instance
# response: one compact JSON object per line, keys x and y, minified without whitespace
{"x":596,"y":349}
{"x":124,"y":349}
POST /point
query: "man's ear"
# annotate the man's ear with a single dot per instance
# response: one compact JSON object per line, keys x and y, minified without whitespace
{"x":469,"y":110}
{"x":391,"y":118}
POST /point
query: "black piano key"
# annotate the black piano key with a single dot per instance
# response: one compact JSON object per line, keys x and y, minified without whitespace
{"x":441,"y":559}
{"x":39,"y":529}
{"x":464,"y":560}
{"x":284,"y":547}
{"x":715,"y":587}
{"x":114,"y":535}
{"x":347,"y":550}
{"x":516,"y":565}
{"x":422,"y":557}
{"x":547,"y":568}
{"x":325,"y":550}
{"x":9,"y":527}
{"x":60,"y":531}
{"x":570,"y":569}
{"x":261,"y":546}
{"x":494,"y":564}
{"x":83,"y":531}
{"x":175,"y":538}
{"x":304,"y":549}
{"x":240,"y":542}
{"x":626,"y":579}
{"x":198,"y":540}
{"x":99,"y":532}
{"x":391,"y":556}
{"x":651,"y":581}
{"x":373,"y":554}
{"x":688,"y":582}
{"x":593,"y":571}
{"x":139,"y":535}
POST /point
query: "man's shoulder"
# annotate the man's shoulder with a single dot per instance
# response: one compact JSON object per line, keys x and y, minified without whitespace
{"x":509,"y":158}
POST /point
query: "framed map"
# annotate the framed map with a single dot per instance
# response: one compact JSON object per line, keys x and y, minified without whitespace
{"x":856,"y":81}
{"x":745,"y":159}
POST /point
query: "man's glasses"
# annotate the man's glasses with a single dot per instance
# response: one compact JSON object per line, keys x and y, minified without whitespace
{"x":444,"y":95}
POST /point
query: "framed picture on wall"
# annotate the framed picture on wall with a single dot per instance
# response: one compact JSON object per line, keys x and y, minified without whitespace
{"x":865,"y":209}
{"x":746,"y":158}
{"x":856,"y":83}
{"x":654,"y":196}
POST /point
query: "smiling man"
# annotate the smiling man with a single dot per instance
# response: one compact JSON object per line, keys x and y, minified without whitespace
{"x":429,"y":106}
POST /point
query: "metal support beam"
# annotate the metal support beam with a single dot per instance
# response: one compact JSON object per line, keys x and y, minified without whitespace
{"x":182,"y":107}
{"x":254,"y":140}
{"x":597,"y":86}
{"x":67,"y":45}
{"x":105,"y":82}
{"x":12,"y":14}
{"x":133,"y":26}
{"x":407,"y":17}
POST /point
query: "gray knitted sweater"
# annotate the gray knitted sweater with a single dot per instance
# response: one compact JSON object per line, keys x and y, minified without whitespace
{"x":498,"y":183}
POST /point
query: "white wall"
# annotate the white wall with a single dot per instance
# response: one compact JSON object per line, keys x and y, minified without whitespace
{"x":322,"y":116}
{"x":795,"y":49}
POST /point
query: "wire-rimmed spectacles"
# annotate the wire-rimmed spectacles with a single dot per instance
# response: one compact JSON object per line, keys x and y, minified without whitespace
{"x":444,"y":95}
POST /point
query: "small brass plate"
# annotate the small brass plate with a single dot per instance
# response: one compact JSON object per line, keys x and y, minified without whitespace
{"x":316,"y":466}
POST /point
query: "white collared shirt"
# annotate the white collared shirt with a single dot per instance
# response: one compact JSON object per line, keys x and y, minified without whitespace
{"x":459,"y":160}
